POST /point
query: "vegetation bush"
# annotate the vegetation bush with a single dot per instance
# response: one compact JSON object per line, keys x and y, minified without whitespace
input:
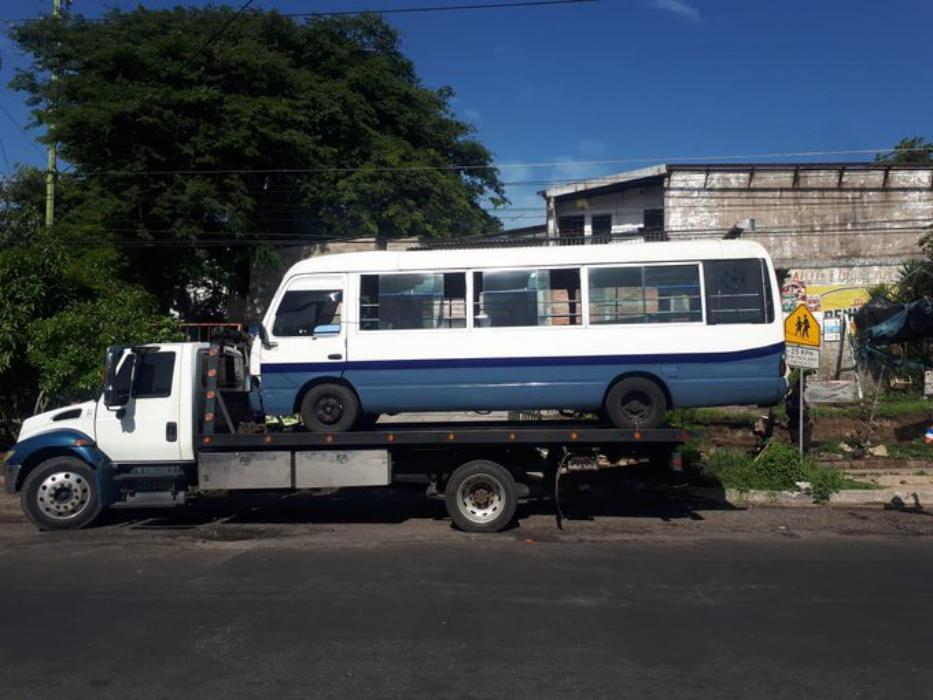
{"x":778,"y":468}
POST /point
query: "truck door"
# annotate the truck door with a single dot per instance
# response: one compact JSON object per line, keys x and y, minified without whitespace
{"x":147,"y":428}
{"x":307,"y":330}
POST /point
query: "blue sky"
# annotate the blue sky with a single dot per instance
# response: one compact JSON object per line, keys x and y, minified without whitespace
{"x":638,"y":80}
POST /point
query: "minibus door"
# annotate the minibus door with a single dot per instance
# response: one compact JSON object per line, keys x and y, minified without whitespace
{"x":310,"y":325}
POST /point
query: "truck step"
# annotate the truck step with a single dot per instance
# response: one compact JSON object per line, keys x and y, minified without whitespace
{"x":151,"y":499}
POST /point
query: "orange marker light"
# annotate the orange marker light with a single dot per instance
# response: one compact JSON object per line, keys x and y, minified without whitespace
{"x":211,"y":394}
{"x":328,"y":438}
{"x":511,"y":436}
{"x":573,"y":436}
{"x":212,"y":373}
{"x":81,"y":442}
{"x":637,"y":435}
{"x":267,"y":439}
{"x":208,"y":416}
{"x":213,"y":352}
{"x":451,"y":436}
{"x":390,"y":437}
{"x":206,"y":440}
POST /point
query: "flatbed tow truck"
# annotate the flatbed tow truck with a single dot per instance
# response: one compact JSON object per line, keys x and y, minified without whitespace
{"x":179,"y":421}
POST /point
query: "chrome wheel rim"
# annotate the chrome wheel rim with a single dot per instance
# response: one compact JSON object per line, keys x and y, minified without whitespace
{"x":63,"y":495}
{"x":480,"y":498}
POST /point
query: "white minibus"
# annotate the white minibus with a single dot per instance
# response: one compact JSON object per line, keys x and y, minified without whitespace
{"x":628,"y":330}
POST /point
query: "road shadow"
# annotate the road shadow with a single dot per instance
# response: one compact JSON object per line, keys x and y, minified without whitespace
{"x":585,"y":496}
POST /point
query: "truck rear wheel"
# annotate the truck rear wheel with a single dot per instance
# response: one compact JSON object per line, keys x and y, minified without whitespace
{"x":329,"y":408}
{"x":481,"y":496}
{"x":61,"y":494}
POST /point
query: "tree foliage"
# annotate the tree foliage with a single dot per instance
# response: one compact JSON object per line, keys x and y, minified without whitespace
{"x":915,"y":149}
{"x":62,"y":302}
{"x":188,"y":125}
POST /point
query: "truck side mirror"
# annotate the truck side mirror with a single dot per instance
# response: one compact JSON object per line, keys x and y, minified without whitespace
{"x":119,"y":383}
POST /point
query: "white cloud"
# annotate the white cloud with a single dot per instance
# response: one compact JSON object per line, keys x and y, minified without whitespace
{"x":680,"y":8}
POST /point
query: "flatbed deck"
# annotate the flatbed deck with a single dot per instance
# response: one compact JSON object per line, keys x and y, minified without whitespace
{"x":433,"y":434}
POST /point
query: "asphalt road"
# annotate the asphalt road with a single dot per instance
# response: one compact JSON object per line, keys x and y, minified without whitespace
{"x":376,"y":596}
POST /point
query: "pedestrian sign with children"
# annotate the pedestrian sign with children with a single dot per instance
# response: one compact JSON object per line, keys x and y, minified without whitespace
{"x":802,"y":328}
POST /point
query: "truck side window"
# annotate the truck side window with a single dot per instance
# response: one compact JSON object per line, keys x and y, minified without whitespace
{"x":306,"y":312}
{"x":154,"y":372}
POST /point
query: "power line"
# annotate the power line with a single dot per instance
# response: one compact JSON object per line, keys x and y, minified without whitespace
{"x":380,"y":11}
{"x":501,"y":166}
{"x":21,"y":130}
{"x":217,"y":35}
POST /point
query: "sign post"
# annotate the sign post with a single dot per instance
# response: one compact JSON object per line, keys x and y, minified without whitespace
{"x":802,"y":338}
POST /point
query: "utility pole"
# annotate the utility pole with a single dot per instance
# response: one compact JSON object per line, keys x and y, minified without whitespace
{"x":52,"y":172}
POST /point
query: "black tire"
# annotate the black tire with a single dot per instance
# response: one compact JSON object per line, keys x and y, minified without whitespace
{"x":636,"y":402}
{"x":61,"y":494}
{"x":481,"y":497}
{"x":329,"y":408}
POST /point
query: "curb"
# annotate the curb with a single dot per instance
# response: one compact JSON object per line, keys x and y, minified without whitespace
{"x":893,"y":498}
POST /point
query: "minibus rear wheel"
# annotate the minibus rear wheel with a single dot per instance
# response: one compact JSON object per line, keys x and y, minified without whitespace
{"x":329,"y":408}
{"x":636,"y":402}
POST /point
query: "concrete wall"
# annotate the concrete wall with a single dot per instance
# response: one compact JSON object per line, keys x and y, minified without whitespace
{"x":826,"y":226}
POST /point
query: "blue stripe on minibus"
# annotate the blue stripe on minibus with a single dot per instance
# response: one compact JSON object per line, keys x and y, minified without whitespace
{"x":269,"y":368}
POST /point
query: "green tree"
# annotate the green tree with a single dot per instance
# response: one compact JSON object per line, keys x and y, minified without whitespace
{"x":187,"y":127}
{"x":910,"y":150}
{"x":62,"y":302}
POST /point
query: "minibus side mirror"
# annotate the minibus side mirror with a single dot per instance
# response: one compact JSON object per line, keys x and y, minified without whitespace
{"x":119,"y":383}
{"x":257,"y":329}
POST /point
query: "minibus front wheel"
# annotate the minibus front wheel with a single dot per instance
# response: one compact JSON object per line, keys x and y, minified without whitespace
{"x":329,"y":408}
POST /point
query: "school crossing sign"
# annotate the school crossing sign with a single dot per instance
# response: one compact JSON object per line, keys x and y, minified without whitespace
{"x":802,"y":338}
{"x":802,"y":328}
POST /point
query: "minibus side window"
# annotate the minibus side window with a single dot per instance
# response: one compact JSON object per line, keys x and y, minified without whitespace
{"x":645,"y":294}
{"x":308,"y":312}
{"x":509,"y":298}
{"x":413,"y":300}
{"x":737,"y":291}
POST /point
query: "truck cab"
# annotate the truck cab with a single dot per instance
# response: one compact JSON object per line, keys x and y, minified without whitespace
{"x":140,"y":433}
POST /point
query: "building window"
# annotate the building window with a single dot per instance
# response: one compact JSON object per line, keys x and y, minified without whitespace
{"x":308,"y":312}
{"x":571,"y":227}
{"x":652,"y":294}
{"x":503,"y":298}
{"x":602,"y":228}
{"x":737,"y":291}
{"x":413,"y":301}
{"x":654,"y":225}
{"x":154,"y":372}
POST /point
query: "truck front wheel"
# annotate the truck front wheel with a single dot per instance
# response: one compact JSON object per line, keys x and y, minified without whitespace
{"x":481,"y":496}
{"x":61,"y":494}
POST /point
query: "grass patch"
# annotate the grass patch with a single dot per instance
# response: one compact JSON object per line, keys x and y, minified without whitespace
{"x":778,"y":468}
{"x":687,"y":417}
{"x":910,"y":450}
{"x":890,"y":408}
